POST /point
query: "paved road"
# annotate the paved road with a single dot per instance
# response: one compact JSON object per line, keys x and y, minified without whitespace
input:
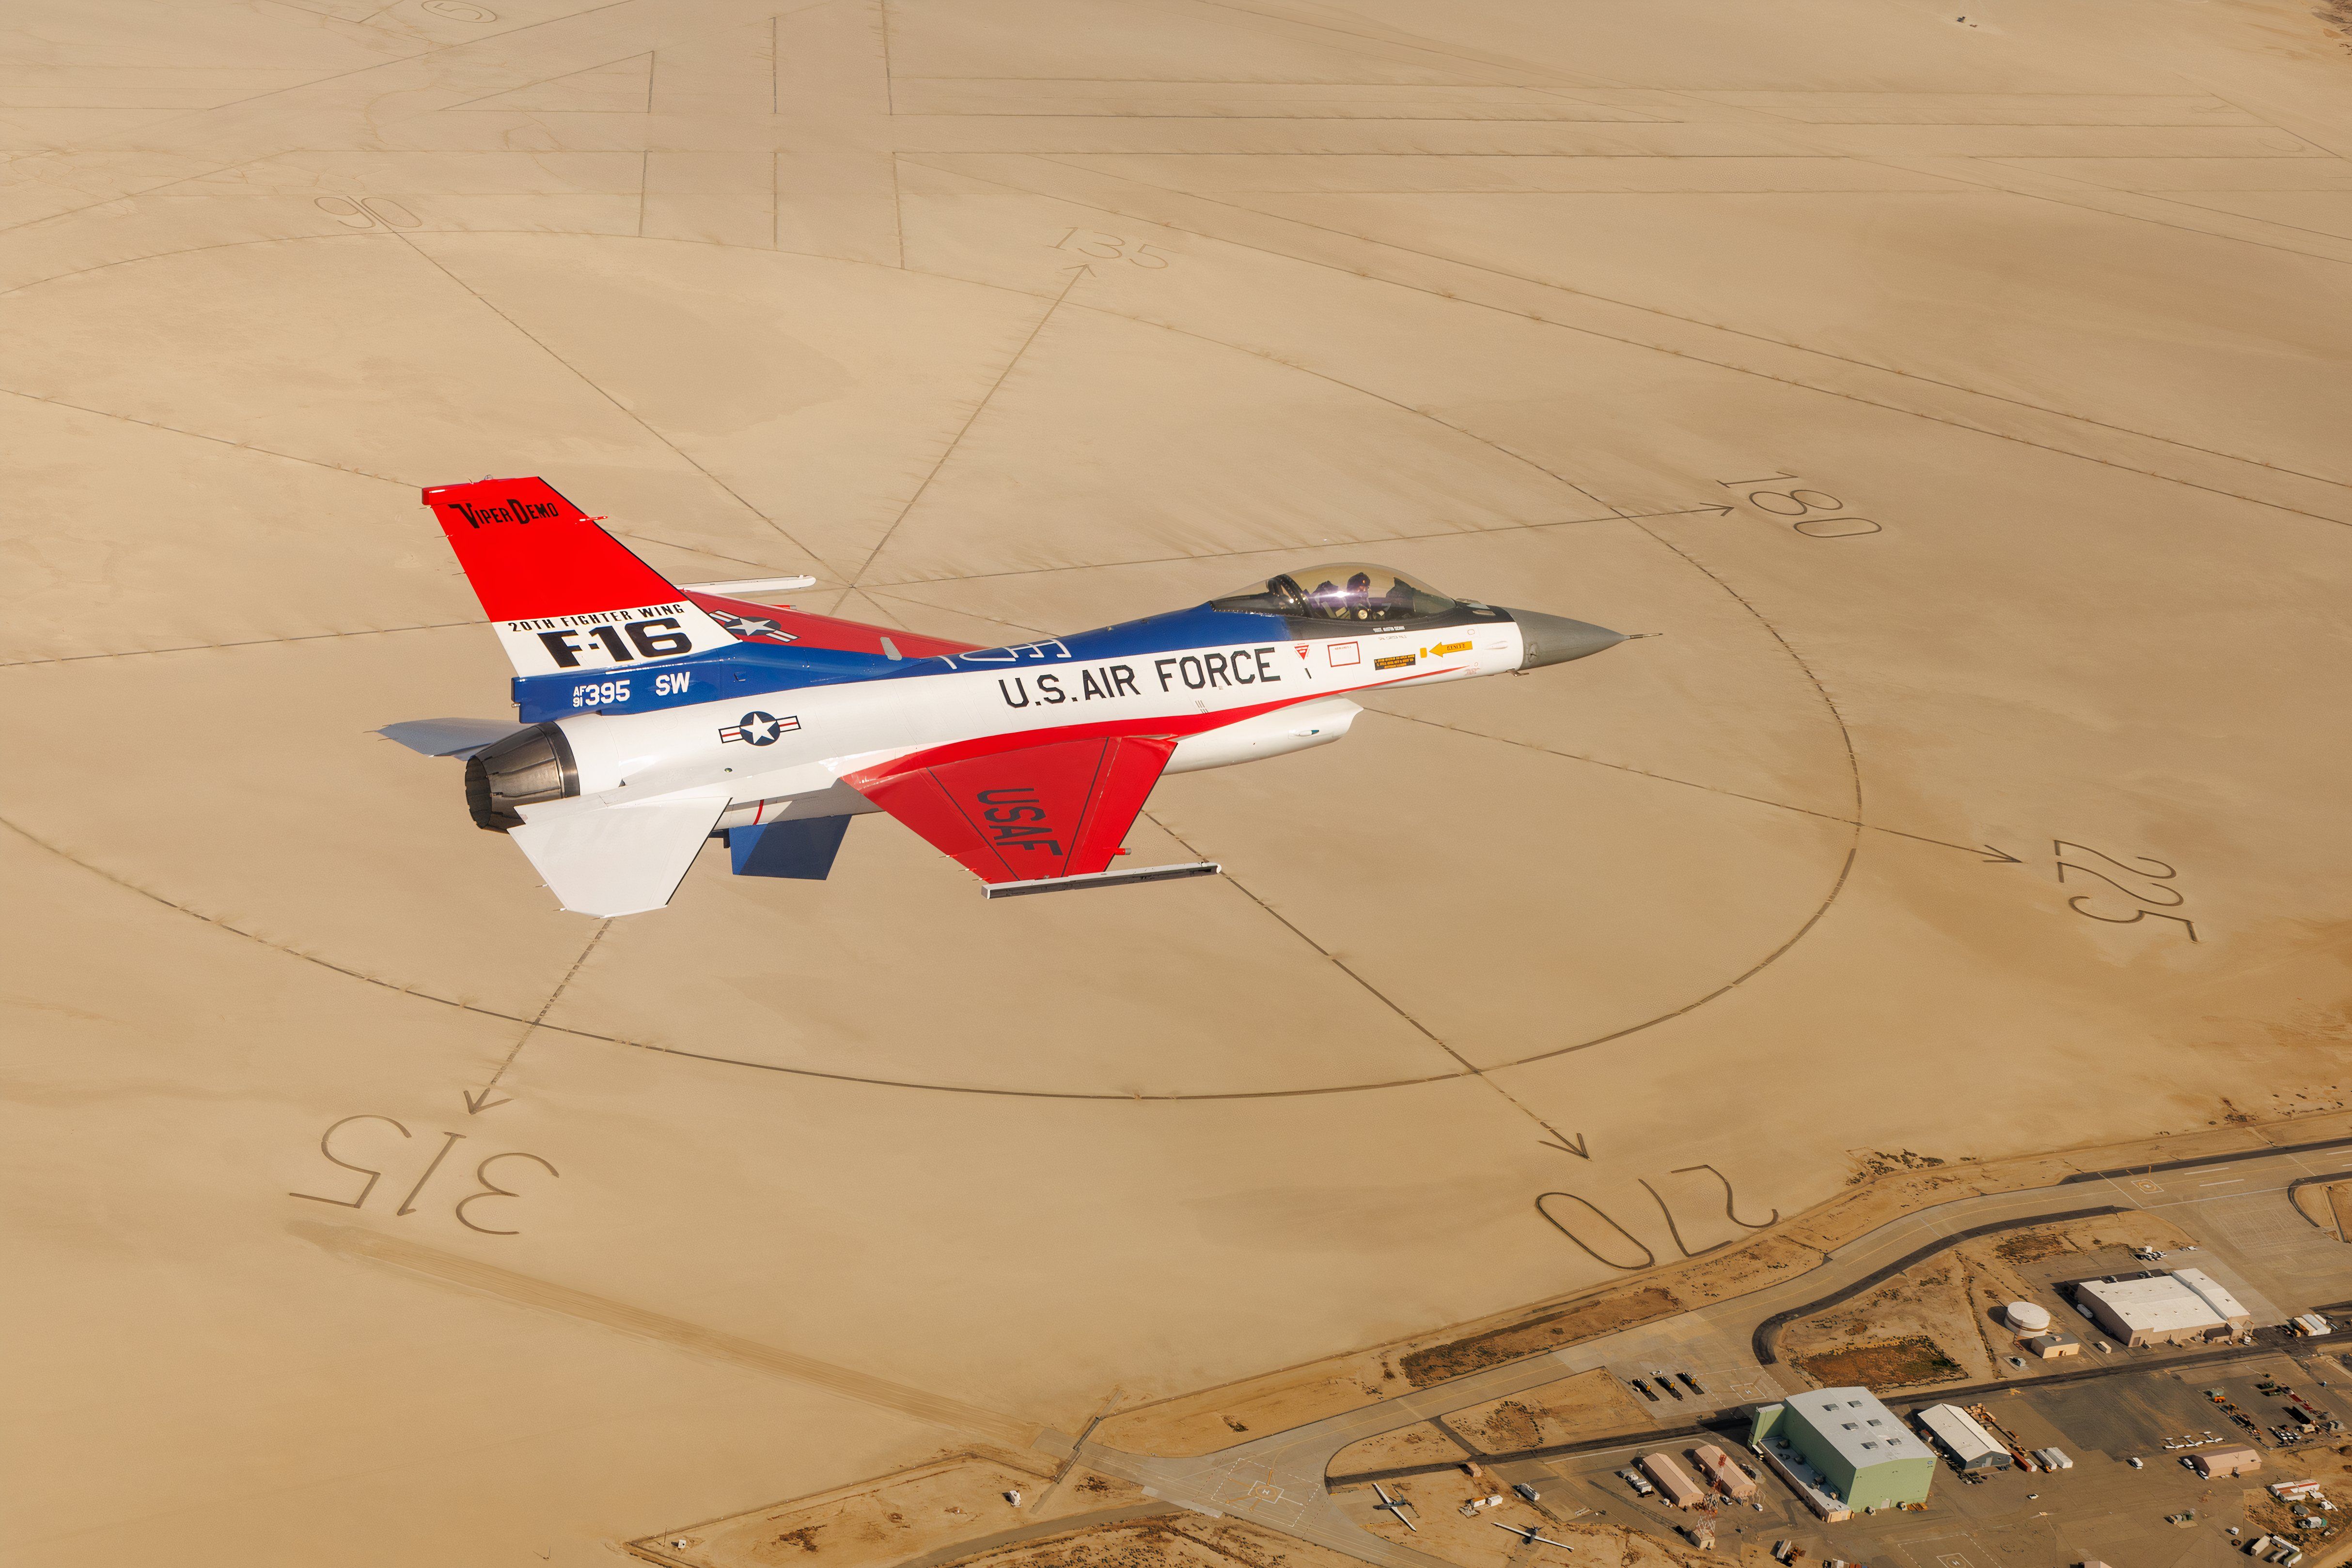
{"x":1278,"y":1481}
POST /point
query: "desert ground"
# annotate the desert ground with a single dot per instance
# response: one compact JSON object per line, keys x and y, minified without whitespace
{"x":1960,"y":399}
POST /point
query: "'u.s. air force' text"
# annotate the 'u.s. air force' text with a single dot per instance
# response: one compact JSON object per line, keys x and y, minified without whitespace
{"x":1192,"y":671}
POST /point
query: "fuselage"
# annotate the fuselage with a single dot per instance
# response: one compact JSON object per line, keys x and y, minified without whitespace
{"x":1231,"y":687}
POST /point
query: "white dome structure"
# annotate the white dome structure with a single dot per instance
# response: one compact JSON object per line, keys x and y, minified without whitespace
{"x":2026,"y":1317}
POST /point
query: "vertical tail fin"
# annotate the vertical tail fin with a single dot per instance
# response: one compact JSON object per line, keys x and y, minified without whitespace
{"x":564,"y":594}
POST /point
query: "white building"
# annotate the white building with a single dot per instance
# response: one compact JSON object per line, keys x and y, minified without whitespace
{"x":1958,"y":1433}
{"x":2179,"y":1308}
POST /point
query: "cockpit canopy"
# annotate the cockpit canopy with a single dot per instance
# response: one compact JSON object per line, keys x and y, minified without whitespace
{"x":1338,"y":591}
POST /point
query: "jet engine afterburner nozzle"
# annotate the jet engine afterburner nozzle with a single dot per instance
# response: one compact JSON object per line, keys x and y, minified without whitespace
{"x":526,"y":768}
{"x":1556,"y":639}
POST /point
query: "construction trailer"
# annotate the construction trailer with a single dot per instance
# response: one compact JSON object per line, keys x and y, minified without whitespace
{"x":1958,"y":1434}
{"x":1861,"y":1450}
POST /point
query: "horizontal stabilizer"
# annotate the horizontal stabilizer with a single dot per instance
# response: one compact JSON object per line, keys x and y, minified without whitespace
{"x":449,"y":737}
{"x":1104,"y":880}
{"x":620,"y":860}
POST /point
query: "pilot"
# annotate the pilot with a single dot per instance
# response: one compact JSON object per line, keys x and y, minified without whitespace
{"x":1360,"y":595}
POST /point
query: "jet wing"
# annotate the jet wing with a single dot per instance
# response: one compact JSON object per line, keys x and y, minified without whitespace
{"x":1054,"y":810}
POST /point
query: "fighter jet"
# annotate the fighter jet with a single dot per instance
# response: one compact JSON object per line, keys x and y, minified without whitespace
{"x":1396,"y":1505}
{"x":651,"y":717}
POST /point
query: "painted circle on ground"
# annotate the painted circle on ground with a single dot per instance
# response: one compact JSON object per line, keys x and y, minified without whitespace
{"x":987,"y":464}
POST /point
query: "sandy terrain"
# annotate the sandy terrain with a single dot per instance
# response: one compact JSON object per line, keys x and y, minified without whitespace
{"x":894,"y":1518}
{"x":2327,"y":1205}
{"x":1172,"y":1540}
{"x":1423,"y":1445}
{"x":1180,"y":1540}
{"x":1963,"y":402}
{"x":1475,"y":1543}
{"x":1588,"y":1404}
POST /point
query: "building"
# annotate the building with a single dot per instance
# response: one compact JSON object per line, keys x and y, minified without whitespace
{"x":2179,"y":1308}
{"x":1862,"y":1453}
{"x":1970,"y":1445}
{"x":1729,"y":1477}
{"x":2226,"y":1462}
{"x":2050,"y":1347}
{"x":2226,"y":1307}
{"x":1672,"y":1482}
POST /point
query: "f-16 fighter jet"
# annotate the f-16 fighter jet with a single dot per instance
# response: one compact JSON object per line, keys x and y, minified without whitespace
{"x":653,"y":716}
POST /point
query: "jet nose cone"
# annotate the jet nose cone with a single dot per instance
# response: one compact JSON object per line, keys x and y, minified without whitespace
{"x":1556,"y":639}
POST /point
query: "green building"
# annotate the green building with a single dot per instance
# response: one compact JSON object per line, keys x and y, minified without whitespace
{"x":1854,"y":1447}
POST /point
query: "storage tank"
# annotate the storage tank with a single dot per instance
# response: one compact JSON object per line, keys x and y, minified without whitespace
{"x":2026,"y":1317}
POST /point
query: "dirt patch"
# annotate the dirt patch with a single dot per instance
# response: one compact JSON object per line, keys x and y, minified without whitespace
{"x":1582,"y":1322}
{"x":1872,"y":1164}
{"x":2031,"y":1247}
{"x":1889,"y":1364}
{"x":1512,"y":1426}
{"x":1752,"y":1267}
{"x":1476,"y":1543}
{"x":1217,"y":1418}
{"x":1180,"y":1541}
{"x":1418,"y":1445}
{"x":1932,"y":1303}
{"x":891,"y":1518}
{"x":1589,"y":1405}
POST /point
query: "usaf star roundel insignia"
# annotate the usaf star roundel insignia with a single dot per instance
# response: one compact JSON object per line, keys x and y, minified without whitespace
{"x":759,"y":728}
{"x":748,"y":626}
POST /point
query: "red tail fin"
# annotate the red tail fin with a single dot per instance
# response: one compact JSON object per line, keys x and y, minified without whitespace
{"x":564,"y":594}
